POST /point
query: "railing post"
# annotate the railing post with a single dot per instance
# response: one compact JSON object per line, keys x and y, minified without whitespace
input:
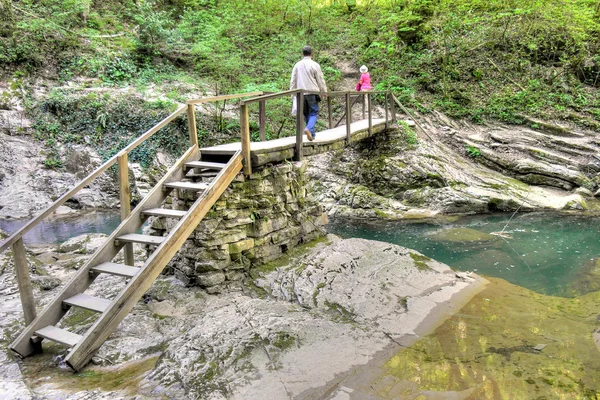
{"x":299,"y":126}
{"x":24,"y":281}
{"x":329,"y":112}
{"x":125,"y":200}
{"x":262,"y":120}
{"x":348,"y":118}
{"x":364,"y":100}
{"x":191,"y":116}
{"x":245,"y":132}
{"x":393,"y":108}
{"x":370,"y":107}
{"x":385,"y":106}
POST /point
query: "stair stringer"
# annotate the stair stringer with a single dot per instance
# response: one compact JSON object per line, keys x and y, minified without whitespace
{"x":81,"y":354}
{"x":23,"y":345}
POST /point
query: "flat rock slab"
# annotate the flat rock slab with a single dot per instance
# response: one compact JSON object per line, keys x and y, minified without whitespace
{"x":323,"y":315}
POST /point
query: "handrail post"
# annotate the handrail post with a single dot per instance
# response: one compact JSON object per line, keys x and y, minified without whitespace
{"x":262,"y":120}
{"x":245,"y":132}
{"x":24,"y":281}
{"x":364,"y":100}
{"x":348,"y":118}
{"x":387,"y":122}
{"x":125,"y":201}
{"x":299,"y":126}
{"x":329,"y":112}
{"x":370,"y":107}
{"x":392,"y":108}
{"x":191,"y":116}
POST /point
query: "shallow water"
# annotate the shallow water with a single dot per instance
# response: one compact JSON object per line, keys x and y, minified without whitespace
{"x":548,"y":253}
{"x":507,"y":343}
{"x":58,"y":230}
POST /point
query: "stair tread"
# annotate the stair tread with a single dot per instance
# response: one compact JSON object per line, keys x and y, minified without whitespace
{"x":187,"y":185}
{"x":88,"y":302}
{"x":164,"y":212}
{"x":116,"y":269}
{"x":203,"y":174}
{"x":59,"y":335}
{"x":205,"y":164}
{"x":144,"y":239}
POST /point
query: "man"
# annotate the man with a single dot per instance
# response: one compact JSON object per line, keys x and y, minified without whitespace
{"x":307,"y":75}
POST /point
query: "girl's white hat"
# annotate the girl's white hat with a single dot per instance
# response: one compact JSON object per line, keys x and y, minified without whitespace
{"x":364,"y":69}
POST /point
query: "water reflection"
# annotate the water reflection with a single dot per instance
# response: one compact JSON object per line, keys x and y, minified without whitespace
{"x":506,"y":343}
{"x":545,"y":252}
{"x":58,"y":230}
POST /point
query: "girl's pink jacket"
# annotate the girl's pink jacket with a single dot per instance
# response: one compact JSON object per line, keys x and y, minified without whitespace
{"x":365,"y":81}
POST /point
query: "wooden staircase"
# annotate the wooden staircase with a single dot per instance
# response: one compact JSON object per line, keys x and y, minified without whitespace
{"x":182,"y":176}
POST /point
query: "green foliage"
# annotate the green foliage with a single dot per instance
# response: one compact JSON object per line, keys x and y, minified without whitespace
{"x":408,"y":134}
{"x":473,"y":151}
{"x":471,"y":59}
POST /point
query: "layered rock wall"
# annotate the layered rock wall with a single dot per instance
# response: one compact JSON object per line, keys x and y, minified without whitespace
{"x":255,"y":221}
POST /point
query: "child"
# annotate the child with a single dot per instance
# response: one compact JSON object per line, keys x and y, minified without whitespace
{"x":365,"y":80}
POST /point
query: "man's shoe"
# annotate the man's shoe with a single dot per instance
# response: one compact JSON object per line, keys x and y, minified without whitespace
{"x":309,"y":135}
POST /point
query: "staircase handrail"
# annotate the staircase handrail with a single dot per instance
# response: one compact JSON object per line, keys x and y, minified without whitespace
{"x":13,"y":238}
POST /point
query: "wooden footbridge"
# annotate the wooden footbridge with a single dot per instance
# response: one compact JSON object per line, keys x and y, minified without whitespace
{"x":219,"y":163}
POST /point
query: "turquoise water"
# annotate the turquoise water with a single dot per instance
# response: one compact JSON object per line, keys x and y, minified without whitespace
{"x":548,"y":253}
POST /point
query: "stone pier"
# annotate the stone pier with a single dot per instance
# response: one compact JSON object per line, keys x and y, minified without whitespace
{"x":257,"y":220}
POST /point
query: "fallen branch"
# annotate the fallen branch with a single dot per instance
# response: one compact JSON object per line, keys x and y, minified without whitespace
{"x":412,"y":116}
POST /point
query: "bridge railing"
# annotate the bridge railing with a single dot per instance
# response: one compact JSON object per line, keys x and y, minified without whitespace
{"x":15,"y":240}
{"x":347,"y":96}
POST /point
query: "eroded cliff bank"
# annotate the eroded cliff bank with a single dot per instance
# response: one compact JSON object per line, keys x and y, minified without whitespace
{"x":458,"y":168}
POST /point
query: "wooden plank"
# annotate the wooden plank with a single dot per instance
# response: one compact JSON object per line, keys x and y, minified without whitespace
{"x":24,"y":281}
{"x":116,"y":269}
{"x":88,"y":302}
{"x":300,"y":126}
{"x":262,"y":120}
{"x":128,"y":297}
{"x":385,"y":106}
{"x":223,"y":97}
{"x":203,"y":174}
{"x":272,"y":96}
{"x":370,"y":107}
{"x":59,"y":335}
{"x":191,"y":117}
{"x":54,"y":311}
{"x":245,"y":134}
{"x":348,"y":119}
{"x":329,"y":113}
{"x":392,"y":108}
{"x":164,"y":212}
{"x":186,"y":185}
{"x":205,"y":164}
{"x":364,"y":105}
{"x":125,"y":201}
{"x":340,"y":93}
{"x":142,"y":239}
{"x":219,"y":151}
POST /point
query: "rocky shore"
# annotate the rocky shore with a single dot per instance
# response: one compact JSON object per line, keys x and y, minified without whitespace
{"x":295,"y":330}
{"x":458,"y":168}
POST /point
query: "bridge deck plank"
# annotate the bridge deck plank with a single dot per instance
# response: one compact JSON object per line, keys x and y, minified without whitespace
{"x":323,"y":138}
